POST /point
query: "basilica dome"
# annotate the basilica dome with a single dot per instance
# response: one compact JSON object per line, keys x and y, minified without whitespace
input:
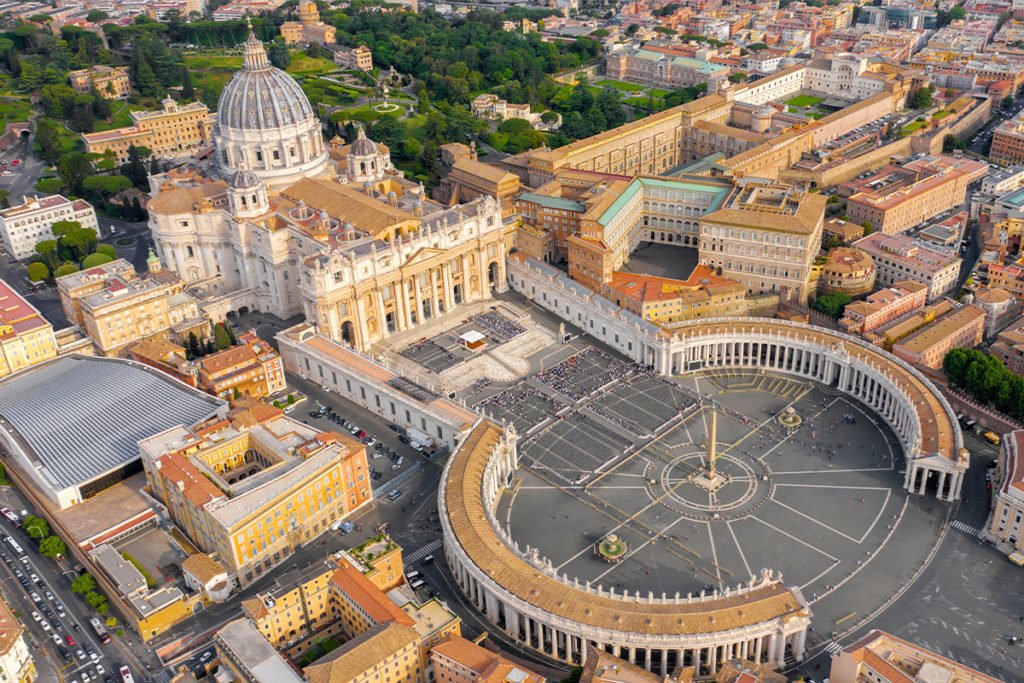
{"x":265,"y":124}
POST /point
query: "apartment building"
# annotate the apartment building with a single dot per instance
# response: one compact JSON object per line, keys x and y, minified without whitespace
{"x":899,"y":257}
{"x":175,"y":130}
{"x":16,"y":662}
{"x":1009,"y":277}
{"x":116,"y":307}
{"x":255,"y":486}
{"x":1004,"y":523}
{"x":1008,"y":141}
{"x":26,"y":337}
{"x":928,"y":346}
{"x":1009,"y":347}
{"x":664,"y":300}
{"x":26,"y":225}
{"x":896,"y":198}
{"x":111,"y":82}
{"x":252,"y":368}
{"x":880,"y":657}
{"x":360,"y":57}
{"x":457,"y":660}
{"x":883,"y":307}
{"x":246,"y":656}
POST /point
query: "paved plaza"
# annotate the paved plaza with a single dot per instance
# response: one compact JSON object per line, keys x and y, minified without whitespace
{"x":662,"y":260}
{"x":607,"y":447}
{"x":444,"y":351}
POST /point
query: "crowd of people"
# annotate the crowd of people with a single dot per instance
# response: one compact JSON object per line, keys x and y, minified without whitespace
{"x":509,"y":400}
{"x":576,"y":380}
{"x":499,"y":329}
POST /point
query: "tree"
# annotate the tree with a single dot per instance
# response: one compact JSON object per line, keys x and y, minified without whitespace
{"x":923,"y":98}
{"x":48,"y":250}
{"x":57,"y":100}
{"x":107,"y":249}
{"x":65,"y":269}
{"x":74,"y":168}
{"x":37,"y":272}
{"x":135,"y":169}
{"x":106,"y":185}
{"x":83,"y":583}
{"x":737,"y":77}
{"x":95,"y":599}
{"x":35,"y":527}
{"x":145,"y":80}
{"x":192,"y":348}
{"x":5,"y":196}
{"x":51,"y":546}
{"x":832,"y":304}
{"x":221,"y":338}
{"x":49,"y":141}
{"x":100,"y":105}
{"x":96,"y":15}
{"x":188,"y":92}
{"x":868,"y":227}
{"x":93,"y":260}
{"x":49,"y":185}
{"x":278,"y":55}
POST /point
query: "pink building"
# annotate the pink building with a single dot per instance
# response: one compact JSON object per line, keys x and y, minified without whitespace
{"x":884,"y":306}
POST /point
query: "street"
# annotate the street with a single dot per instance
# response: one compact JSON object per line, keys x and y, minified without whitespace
{"x":22,"y":178}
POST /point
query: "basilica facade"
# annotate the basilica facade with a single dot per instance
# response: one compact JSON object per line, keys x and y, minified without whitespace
{"x":278,"y":221}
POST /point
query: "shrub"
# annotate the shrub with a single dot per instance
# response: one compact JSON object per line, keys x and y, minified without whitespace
{"x":107,"y":249}
{"x":37,"y":272}
{"x":97,"y":259}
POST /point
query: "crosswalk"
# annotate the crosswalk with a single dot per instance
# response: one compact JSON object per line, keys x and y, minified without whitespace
{"x":420,"y":553}
{"x":966,"y":528}
{"x":833,"y":648}
{"x":161,"y":676}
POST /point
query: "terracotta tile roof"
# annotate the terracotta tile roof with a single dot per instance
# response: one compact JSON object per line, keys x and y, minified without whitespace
{"x":203,"y":567}
{"x":378,"y":606}
{"x":10,"y":628}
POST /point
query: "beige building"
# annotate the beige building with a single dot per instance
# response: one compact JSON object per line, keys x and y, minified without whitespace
{"x":173,"y":131}
{"x":897,"y":198}
{"x":360,"y":57}
{"x":880,"y":657}
{"x":928,"y":346}
{"x":847,"y":271}
{"x":16,"y":663}
{"x":899,"y":257}
{"x":308,"y":30}
{"x":1008,"y":141}
{"x":116,"y":307}
{"x":111,"y":82}
{"x":765,"y":235}
{"x":1004,"y":523}
{"x":26,"y":337}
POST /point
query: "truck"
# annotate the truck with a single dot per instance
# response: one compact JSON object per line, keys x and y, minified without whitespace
{"x":421,"y":438}
{"x":101,"y":632}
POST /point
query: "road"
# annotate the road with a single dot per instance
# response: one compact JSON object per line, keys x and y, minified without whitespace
{"x":22,"y":179}
{"x":56,"y":577}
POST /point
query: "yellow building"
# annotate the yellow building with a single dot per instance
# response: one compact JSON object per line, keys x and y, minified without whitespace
{"x":26,"y":338}
{"x":111,"y":82}
{"x":173,"y":131}
{"x":117,"y":308}
{"x":252,"y":368}
{"x":380,"y":560}
{"x":253,"y":488}
{"x":308,"y":29}
{"x":664,"y":300}
{"x":16,"y":663}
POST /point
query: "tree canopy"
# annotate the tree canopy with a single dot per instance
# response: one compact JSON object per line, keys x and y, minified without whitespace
{"x":986,"y":380}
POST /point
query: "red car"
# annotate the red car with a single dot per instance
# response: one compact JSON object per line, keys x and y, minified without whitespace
{"x":69,"y":640}
{"x":15,"y":162}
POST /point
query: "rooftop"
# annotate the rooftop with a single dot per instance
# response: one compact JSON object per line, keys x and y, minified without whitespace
{"x":247,"y":646}
{"x":929,"y":336}
{"x":78,"y":417}
{"x":361,"y":654}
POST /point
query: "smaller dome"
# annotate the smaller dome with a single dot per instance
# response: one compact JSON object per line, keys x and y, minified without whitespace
{"x":244,"y":179}
{"x":363,"y":146}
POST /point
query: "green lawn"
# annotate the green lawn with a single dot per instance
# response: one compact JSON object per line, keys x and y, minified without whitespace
{"x":914,"y":125}
{"x":304,"y":65}
{"x":620,"y":85}
{"x":658,"y":92}
{"x":804,"y":101}
{"x":645,"y":103}
{"x":200,"y":62}
{"x":120,"y":117}
{"x":13,"y":109}
{"x":69,"y":141}
{"x":939,"y":115}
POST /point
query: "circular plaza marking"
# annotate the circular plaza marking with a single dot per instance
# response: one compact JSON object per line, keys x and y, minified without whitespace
{"x":819,"y":500}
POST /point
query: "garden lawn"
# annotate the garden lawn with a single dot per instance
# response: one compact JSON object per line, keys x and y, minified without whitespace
{"x":939,"y":115}
{"x":620,"y":85}
{"x":914,"y":125}
{"x":658,"y":92}
{"x":804,"y":101}
{"x":304,"y":65}
{"x":69,"y":141}
{"x":14,"y":109}
{"x":120,"y":117}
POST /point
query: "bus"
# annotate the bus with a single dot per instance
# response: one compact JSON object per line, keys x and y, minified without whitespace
{"x":126,"y":675}
{"x":14,"y":545}
{"x":101,"y":632}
